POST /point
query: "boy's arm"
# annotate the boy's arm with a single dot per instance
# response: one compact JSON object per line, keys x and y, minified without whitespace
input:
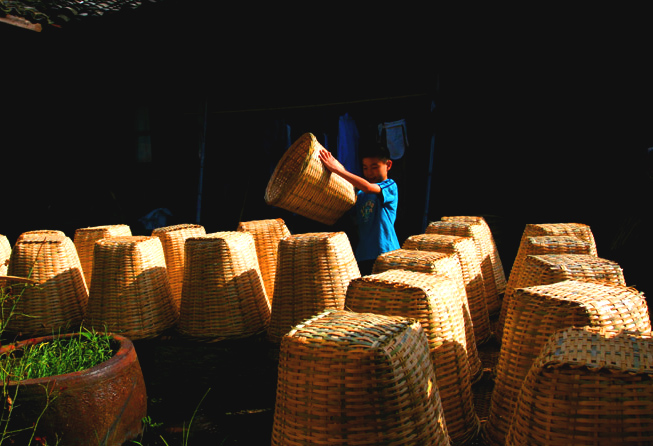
{"x":334,"y":166}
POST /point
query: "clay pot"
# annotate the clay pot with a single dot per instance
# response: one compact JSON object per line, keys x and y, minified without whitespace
{"x":103,"y":405}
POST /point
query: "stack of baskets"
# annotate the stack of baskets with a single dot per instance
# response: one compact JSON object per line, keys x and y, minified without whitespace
{"x":130,"y":292}
{"x":601,"y":380}
{"x":301,"y":184}
{"x":313,"y":272}
{"x":534,"y":314}
{"x":357,"y":379}
{"x":59,"y":301}
{"x":433,"y":300}
{"x":479,"y":236}
{"x":223,"y":295}
{"x":267,"y":234}
{"x":173,"y":239}
{"x":465,"y":249}
{"x":85,"y":239}
{"x":432,"y":262}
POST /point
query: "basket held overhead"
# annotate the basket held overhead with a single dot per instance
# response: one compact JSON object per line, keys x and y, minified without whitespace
{"x":301,"y":184}
{"x":5,"y":253}
{"x":369,"y":381}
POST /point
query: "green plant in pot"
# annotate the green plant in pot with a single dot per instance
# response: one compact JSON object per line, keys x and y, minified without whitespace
{"x":83,"y":388}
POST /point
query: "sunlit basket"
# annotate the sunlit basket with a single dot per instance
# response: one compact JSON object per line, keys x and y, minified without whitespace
{"x":537,"y":245}
{"x":534,"y":314}
{"x":433,"y":300}
{"x":130,"y":291}
{"x":301,"y":184}
{"x":347,"y":378}
{"x":58,"y":301}
{"x":223,"y":296}
{"x":85,"y":239}
{"x":5,"y":254}
{"x":313,"y":272}
{"x":587,"y":386}
{"x":173,"y":239}
{"x":267,"y":234}
{"x":479,"y":235}
{"x":490,"y":246}
{"x":432,"y":262}
{"x":41,"y":232}
{"x":465,"y":249}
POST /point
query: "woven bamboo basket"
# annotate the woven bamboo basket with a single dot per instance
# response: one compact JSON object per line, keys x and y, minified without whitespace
{"x":301,"y":184}
{"x":465,"y":249}
{"x":432,"y":262}
{"x":538,"y":245}
{"x":483,"y":244}
{"x":495,"y":258}
{"x":223,"y":296}
{"x":58,"y":302}
{"x":313,"y":272}
{"x":348,"y":378}
{"x":433,"y":300}
{"x":85,"y":239}
{"x":587,"y":386}
{"x":5,"y":254}
{"x":130,"y":292}
{"x":267,"y":234}
{"x":534,"y":314}
{"x":173,"y":239}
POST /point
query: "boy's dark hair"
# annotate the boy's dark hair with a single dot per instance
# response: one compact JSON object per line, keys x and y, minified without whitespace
{"x":375,"y":150}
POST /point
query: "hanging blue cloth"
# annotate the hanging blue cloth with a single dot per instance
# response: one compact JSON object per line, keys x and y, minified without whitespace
{"x":348,"y":137}
{"x":395,"y":137}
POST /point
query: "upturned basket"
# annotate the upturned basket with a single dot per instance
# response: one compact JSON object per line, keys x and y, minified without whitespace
{"x":433,"y":300}
{"x":479,"y":235}
{"x":130,"y":292}
{"x":534,"y":314}
{"x":587,"y":386}
{"x":313,"y":272}
{"x":267,"y":234}
{"x":491,"y":247}
{"x":223,"y":296}
{"x":5,"y":253}
{"x":301,"y":184}
{"x":173,"y":239}
{"x":432,"y":262}
{"x":85,"y":239}
{"x":538,"y":245}
{"x":59,"y":298}
{"x":465,"y":249}
{"x":347,"y":378}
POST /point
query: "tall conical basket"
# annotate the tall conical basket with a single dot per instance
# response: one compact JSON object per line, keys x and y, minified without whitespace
{"x":301,"y":184}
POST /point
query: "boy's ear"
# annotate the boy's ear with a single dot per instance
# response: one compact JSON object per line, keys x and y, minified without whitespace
{"x":389,"y":164}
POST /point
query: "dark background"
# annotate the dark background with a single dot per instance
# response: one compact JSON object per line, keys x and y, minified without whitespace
{"x":540,"y":116}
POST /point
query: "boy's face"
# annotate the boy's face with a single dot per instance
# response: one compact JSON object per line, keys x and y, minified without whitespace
{"x":375,"y":169}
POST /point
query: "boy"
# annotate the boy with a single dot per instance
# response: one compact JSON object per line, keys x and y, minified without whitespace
{"x":376,"y":204}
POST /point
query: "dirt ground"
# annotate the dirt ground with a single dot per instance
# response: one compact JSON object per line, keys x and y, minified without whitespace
{"x":223,"y":393}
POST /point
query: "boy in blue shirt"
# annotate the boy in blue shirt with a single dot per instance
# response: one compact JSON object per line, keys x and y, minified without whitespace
{"x":376,"y":204}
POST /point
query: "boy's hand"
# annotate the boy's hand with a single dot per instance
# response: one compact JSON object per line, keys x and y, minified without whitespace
{"x":330,"y":162}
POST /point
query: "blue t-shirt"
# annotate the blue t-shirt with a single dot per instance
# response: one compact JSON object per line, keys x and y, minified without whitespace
{"x":376,"y":215}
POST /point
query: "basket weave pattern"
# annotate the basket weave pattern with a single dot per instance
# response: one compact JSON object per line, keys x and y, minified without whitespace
{"x":465,"y":249}
{"x":431,"y":299}
{"x":483,"y":245}
{"x":59,"y":300}
{"x":301,"y":184}
{"x":601,"y":380}
{"x":432,"y":262}
{"x":267,"y":234}
{"x":130,"y":293}
{"x":535,"y":314}
{"x":313,"y":273}
{"x":357,"y":379}
{"x":85,"y":239}
{"x":173,"y":239}
{"x":537,"y":245}
{"x":223,"y":295}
